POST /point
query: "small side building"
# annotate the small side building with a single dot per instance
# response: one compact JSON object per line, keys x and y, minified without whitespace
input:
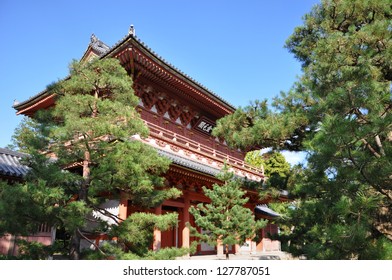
{"x":12,"y":171}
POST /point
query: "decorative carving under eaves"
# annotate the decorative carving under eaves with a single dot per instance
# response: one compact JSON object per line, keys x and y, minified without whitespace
{"x":187,"y":115}
{"x":148,"y":99}
{"x":174,"y":148}
{"x":175,"y":111}
{"x":138,"y":90}
{"x":162,"y":106}
{"x":166,"y":105}
{"x":178,"y":177}
{"x":160,"y":143}
{"x":188,"y":153}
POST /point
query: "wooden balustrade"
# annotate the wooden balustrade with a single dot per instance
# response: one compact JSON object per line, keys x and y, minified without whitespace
{"x":204,"y":150}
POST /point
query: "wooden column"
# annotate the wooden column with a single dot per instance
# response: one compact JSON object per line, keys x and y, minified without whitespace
{"x":157,"y":233}
{"x":219,"y":248}
{"x":237,"y":249}
{"x":123,"y":207}
{"x":185,"y":230}
{"x":253,"y":247}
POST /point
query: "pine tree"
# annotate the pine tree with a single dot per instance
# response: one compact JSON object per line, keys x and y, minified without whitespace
{"x":90,"y":134}
{"x":225,"y":219}
{"x":276,"y":168}
{"x":339,"y":111}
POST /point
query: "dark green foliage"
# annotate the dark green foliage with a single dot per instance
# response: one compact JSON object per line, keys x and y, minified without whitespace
{"x":25,"y":206}
{"x":276,"y":168}
{"x":93,"y":134}
{"x":30,"y":251}
{"x":256,"y":126}
{"x":135,"y":235}
{"x":136,"y":232}
{"x":225,"y":218}
{"x":339,"y":111}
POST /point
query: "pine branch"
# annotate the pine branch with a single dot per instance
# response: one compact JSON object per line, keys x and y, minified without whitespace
{"x":386,"y":193}
{"x":103,"y":211}
{"x":371,"y":149}
{"x":379,"y":144}
{"x":92,"y":243}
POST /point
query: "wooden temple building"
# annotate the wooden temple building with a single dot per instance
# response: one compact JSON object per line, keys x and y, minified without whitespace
{"x":180,"y":114}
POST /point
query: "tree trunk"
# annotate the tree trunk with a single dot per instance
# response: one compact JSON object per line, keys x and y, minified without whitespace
{"x":86,"y":176}
{"x":74,"y":247}
{"x":74,"y":253}
{"x":227,"y":251}
{"x":83,"y":192}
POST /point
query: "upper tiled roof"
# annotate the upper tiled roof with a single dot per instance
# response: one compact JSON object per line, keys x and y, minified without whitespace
{"x":99,"y":46}
{"x":10,"y":164}
{"x":104,"y":50}
{"x":132,"y":35}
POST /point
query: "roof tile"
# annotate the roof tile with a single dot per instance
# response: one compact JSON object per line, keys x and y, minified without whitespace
{"x":10,"y":164}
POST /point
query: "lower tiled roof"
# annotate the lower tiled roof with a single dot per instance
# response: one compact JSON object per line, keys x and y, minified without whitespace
{"x":191,"y":164}
{"x":10,"y":164}
{"x":265,"y":210}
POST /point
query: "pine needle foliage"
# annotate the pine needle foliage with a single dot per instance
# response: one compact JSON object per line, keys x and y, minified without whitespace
{"x":339,"y":112}
{"x":225,"y":218}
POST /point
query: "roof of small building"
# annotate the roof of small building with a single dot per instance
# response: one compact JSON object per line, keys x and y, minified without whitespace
{"x":10,"y":164}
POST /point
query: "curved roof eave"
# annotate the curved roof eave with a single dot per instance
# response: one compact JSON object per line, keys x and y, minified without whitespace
{"x":122,"y":44}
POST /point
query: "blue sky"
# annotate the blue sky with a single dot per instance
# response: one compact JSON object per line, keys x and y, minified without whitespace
{"x":234,"y":48}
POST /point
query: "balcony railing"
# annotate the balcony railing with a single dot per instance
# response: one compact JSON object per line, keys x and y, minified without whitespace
{"x":197,"y":148}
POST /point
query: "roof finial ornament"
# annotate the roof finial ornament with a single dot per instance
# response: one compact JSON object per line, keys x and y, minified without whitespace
{"x":93,"y":38}
{"x":132,"y":30}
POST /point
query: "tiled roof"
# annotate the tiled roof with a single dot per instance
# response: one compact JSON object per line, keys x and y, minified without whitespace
{"x":265,"y":210}
{"x":185,"y":162}
{"x":10,"y":164}
{"x":193,"y":164}
{"x":104,"y":51}
{"x":153,"y":53}
{"x":98,"y":45}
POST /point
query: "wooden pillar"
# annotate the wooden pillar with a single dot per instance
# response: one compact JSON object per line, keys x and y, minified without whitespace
{"x":237,"y":249}
{"x":253,"y":247}
{"x":157,"y":233}
{"x":219,"y":248}
{"x":123,"y":207}
{"x":185,"y":230}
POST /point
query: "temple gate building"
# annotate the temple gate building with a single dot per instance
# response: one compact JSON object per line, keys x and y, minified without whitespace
{"x":180,"y":114}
